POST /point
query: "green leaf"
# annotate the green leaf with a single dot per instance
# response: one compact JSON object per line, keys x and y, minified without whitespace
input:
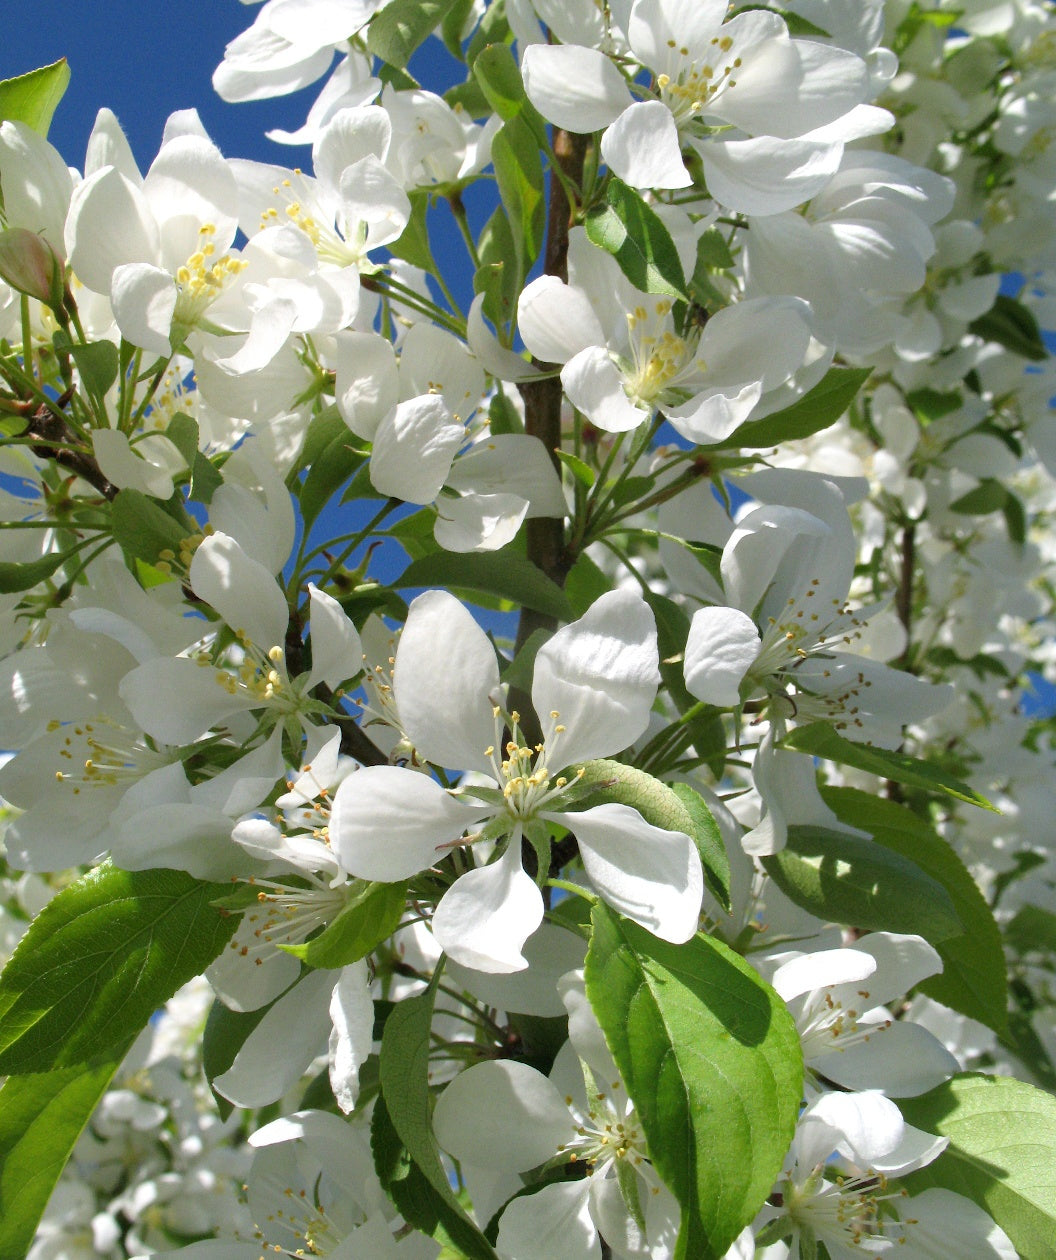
{"x":988,"y":496}
{"x":413,"y":243}
{"x":225,"y":1034}
{"x":676,"y":808}
{"x":579,"y":468}
{"x":585,"y":583}
{"x":98,"y":961}
{"x":848,"y":879}
{"x":973,"y":979}
{"x":452,"y":26}
{"x":499,"y":76}
{"x":498,"y":277}
{"x":32,"y":98}
{"x":405,"y":1152}
{"x":519,"y":175}
{"x":504,"y":573}
{"x":636,"y":237}
{"x":711,"y":1057}
{"x":328,"y":474}
{"x":708,"y":839}
{"x":1032,"y":930}
{"x":41,"y":1117}
{"x":97,"y":363}
{"x":712,"y":250}
{"x":396,"y":30}
{"x":930,"y":404}
{"x":820,"y":740}
{"x":1002,"y":1153}
{"x":18,"y":576}
{"x":205,"y":478}
{"x":183,"y":434}
{"x":365,"y":922}
{"x":143,"y":528}
{"x":1013,"y":326}
{"x":816,"y":410}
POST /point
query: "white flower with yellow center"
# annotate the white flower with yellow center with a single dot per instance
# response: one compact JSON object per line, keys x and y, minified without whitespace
{"x":158,"y":246}
{"x":595,"y":682}
{"x":502,"y":1118}
{"x":766,"y":113}
{"x":624,"y":357}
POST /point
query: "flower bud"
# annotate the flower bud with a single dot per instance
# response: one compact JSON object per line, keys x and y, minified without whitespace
{"x":30,"y":265}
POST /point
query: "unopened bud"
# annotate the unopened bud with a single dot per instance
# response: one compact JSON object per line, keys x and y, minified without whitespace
{"x":30,"y":265}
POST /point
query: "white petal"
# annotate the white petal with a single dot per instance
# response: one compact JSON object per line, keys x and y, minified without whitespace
{"x":485,"y":917}
{"x":511,"y":463}
{"x":478,"y":522}
{"x":714,"y":414}
{"x":270,"y":326}
{"x":493,"y":356}
{"x":445,"y":678}
{"x":595,"y":385}
{"x":643,"y":149}
{"x":352,"y":1013}
{"x":372,"y":198}
{"x":337,"y":653}
{"x":870,"y":1124}
{"x":188,"y":838}
{"x":556,"y":320}
{"x":554,"y":1224}
{"x":722,"y":644}
{"x":413,"y":449}
{"x":386,"y":822}
{"x":576,"y":88}
{"x":246,"y":781}
{"x":367,"y":385}
{"x":241,"y":590}
{"x":903,"y":1060}
{"x":123,"y":465}
{"x":820,"y":969}
{"x":110,"y":223}
{"x":143,"y":299}
{"x":787,"y":87}
{"x":941,"y":1218}
{"x":649,"y":874}
{"x":431,"y":359}
{"x":551,"y":952}
{"x":194,"y":701}
{"x":238,"y":982}
{"x":37,"y":183}
{"x":600,"y":675}
{"x":766,"y":176}
{"x":278,"y":1051}
{"x":502,"y":1114}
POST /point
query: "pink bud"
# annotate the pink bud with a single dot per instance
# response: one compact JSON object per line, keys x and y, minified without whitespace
{"x":30,"y":265}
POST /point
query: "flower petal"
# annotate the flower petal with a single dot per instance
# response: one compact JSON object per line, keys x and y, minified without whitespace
{"x":446,"y":679}
{"x":337,"y":653}
{"x":599,"y":675}
{"x":386,"y":822}
{"x":573,"y":87}
{"x":642,"y":148}
{"x":502,"y":1114}
{"x":722,"y":644}
{"x":352,"y":1014}
{"x":485,"y":917}
{"x":651,"y":875}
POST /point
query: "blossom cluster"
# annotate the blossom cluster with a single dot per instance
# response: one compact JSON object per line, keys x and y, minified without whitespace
{"x":571,"y":701}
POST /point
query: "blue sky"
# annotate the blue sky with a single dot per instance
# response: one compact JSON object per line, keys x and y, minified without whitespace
{"x":142,"y":60}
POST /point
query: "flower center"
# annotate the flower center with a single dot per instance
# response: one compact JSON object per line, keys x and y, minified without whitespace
{"x":691,"y":85}
{"x":660,"y":360}
{"x":201,"y":279}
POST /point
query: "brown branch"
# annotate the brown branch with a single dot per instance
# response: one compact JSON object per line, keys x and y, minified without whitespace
{"x":542,"y":399}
